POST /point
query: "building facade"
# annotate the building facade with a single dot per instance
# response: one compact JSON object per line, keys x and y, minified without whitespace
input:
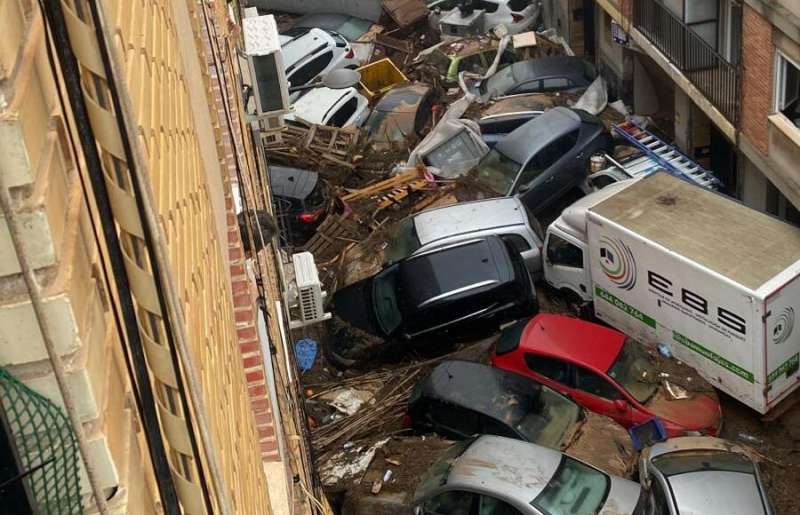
{"x":719,"y":77}
{"x":174,"y":153}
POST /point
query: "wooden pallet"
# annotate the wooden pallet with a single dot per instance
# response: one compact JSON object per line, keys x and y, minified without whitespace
{"x":314,"y":145}
{"x":331,"y":236}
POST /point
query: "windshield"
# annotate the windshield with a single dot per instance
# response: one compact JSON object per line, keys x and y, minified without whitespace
{"x":497,"y":172}
{"x":684,"y":462}
{"x":552,"y":423}
{"x":576,"y":489}
{"x":384,"y":300}
{"x":633,"y":370}
{"x":404,"y":243}
{"x":436,"y":475}
{"x":500,"y":82}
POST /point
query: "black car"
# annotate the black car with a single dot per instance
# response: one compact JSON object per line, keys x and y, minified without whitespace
{"x":474,"y":284}
{"x":542,"y":75}
{"x":301,"y":201}
{"x":544,"y":158}
{"x":460,"y":399}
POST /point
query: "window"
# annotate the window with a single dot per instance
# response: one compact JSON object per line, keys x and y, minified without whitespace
{"x":563,"y":253}
{"x":551,"y":368}
{"x":494,"y":427}
{"x":454,"y":502}
{"x":489,"y":7}
{"x":309,"y":71}
{"x":518,"y":5}
{"x":344,"y":113}
{"x":517,"y":242}
{"x":555,"y":84}
{"x":575,"y":489}
{"x":596,"y":384}
{"x":532,"y":86}
{"x":461,"y":421}
{"x":787,"y":83}
{"x":492,"y":506}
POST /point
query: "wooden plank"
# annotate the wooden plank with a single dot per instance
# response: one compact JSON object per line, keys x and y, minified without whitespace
{"x":393,"y":43}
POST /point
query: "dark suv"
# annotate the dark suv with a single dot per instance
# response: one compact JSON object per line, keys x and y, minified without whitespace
{"x":301,"y":201}
{"x":474,"y":284}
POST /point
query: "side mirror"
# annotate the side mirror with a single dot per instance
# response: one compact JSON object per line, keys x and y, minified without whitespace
{"x":523,"y":188}
{"x":621,"y":405}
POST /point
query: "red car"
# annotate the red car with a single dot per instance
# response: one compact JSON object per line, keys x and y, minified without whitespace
{"x":603,"y":371}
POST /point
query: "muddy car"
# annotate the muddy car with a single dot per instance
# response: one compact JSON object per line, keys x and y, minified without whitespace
{"x":400,"y":116}
{"x":606,"y":372}
{"x":507,"y":114}
{"x":474,"y":55}
{"x":496,"y":475}
{"x":466,"y":287}
{"x":459,"y":399}
{"x":301,"y":200}
{"x":702,"y":475}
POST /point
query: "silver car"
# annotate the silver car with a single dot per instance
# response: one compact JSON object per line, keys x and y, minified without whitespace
{"x":500,"y":476}
{"x":504,"y":217}
{"x":701,"y":474}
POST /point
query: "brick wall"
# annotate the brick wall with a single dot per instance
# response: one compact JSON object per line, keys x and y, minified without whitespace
{"x":757,"y":78}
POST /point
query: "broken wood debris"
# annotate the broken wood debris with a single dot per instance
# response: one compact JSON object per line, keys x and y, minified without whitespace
{"x":334,"y":233}
{"x":405,"y":12}
{"x":312,"y":145}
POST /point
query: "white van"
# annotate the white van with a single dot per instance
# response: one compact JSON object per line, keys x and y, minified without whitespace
{"x":504,"y":217}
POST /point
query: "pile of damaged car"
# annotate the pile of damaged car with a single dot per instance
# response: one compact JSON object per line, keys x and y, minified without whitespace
{"x":526,"y":298}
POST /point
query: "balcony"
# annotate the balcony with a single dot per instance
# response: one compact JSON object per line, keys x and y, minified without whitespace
{"x":709,"y":71}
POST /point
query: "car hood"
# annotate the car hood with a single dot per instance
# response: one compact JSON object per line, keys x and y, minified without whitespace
{"x":602,"y":443}
{"x":622,"y":497}
{"x":699,"y":411}
{"x":353,"y":304}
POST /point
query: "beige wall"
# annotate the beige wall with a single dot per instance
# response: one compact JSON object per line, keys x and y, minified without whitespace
{"x":174,"y":128}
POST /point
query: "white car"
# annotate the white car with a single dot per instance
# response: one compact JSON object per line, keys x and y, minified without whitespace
{"x":517,"y":16}
{"x":332,"y":107}
{"x":309,"y":53}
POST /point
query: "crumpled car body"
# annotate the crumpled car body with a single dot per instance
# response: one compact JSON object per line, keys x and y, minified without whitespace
{"x":400,"y":116}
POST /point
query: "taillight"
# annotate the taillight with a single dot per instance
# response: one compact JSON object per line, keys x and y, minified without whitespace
{"x":311,"y":217}
{"x":350,"y":54}
{"x":407,"y":422}
{"x":517,"y":17}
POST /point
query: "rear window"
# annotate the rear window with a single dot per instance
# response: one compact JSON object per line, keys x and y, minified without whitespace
{"x":684,"y":462}
{"x":509,"y":338}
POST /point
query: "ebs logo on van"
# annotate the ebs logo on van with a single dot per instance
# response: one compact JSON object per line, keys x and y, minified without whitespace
{"x":618,"y":263}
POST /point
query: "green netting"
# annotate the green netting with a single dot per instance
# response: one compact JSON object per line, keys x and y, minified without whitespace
{"x":46,"y":447}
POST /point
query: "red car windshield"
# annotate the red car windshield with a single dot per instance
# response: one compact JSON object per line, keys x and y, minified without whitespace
{"x":633,"y":370}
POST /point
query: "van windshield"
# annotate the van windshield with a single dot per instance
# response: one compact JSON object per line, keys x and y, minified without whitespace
{"x":404,"y":243}
{"x":497,"y":172}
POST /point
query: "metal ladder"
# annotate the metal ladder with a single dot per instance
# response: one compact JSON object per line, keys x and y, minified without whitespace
{"x":669,"y":157}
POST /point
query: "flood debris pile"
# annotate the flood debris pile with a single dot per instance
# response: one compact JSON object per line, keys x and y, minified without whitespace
{"x":460,"y":105}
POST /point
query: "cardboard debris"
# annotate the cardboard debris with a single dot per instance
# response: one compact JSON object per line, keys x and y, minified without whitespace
{"x":405,"y":12}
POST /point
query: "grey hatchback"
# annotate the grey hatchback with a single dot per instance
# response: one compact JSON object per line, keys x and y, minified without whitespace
{"x":545,"y":157}
{"x":542,"y":75}
{"x":696,"y":474}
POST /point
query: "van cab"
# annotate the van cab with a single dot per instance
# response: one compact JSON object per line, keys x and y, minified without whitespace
{"x":504,"y":217}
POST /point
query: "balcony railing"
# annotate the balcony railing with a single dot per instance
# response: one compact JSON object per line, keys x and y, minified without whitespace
{"x":709,"y":71}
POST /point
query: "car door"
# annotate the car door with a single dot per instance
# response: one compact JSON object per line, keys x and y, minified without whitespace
{"x":553,"y":372}
{"x":566,"y":264}
{"x":596,"y":393}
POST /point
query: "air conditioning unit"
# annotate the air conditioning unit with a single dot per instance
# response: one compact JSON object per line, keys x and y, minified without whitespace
{"x":306,"y":294}
{"x":265,"y":62}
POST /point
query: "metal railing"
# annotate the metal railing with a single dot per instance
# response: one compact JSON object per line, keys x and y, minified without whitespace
{"x":709,"y":71}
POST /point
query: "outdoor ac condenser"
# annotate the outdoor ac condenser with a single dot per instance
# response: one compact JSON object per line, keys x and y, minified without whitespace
{"x":307,"y":296}
{"x":265,"y":62}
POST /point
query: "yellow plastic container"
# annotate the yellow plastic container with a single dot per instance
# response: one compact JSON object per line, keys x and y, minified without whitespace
{"x":377,"y":78}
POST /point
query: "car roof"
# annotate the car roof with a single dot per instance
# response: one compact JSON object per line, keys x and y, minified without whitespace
{"x":288,"y":182}
{"x":296,"y":48}
{"x":487,"y":390}
{"x":716,"y":493}
{"x":572,"y":339}
{"x":314,"y":105}
{"x":560,"y":65}
{"x":403,"y":99}
{"x":518,"y":470}
{"x":532,"y":136}
{"x":468,"y":217}
{"x":455,"y":271}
